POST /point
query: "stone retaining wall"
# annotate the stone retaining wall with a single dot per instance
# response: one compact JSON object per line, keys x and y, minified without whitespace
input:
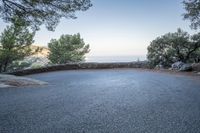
{"x":75,"y":66}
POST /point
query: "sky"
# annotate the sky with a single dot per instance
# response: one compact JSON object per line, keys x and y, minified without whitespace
{"x":119,"y":27}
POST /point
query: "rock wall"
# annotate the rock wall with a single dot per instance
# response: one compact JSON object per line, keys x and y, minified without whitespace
{"x":75,"y":66}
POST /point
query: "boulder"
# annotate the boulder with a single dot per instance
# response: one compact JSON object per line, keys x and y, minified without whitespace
{"x":177,"y":65}
{"x":15,"y":81}
{"x":186,"y":67}
{"x":196,"y":67}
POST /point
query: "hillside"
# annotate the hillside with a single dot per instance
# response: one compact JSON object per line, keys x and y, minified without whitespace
{"x":43,"y":51}
{"x":38,"y":59}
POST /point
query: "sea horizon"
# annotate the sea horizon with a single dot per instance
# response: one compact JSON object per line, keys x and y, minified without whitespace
{"x":130,"y":58}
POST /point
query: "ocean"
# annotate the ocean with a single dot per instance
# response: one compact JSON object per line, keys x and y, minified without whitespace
{"x":115,"y":58}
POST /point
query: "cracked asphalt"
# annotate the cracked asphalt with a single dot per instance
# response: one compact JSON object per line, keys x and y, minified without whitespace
{"x":103,"y":101}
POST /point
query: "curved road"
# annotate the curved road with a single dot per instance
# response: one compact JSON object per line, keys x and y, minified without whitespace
{"x":103,"y":101}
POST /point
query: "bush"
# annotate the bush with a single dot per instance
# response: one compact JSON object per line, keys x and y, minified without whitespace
{"x":173,"y":47}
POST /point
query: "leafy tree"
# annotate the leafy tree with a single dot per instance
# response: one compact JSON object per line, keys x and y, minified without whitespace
{"x":69,"y":48}
{"x":38,"y":12}
{"x":14,"y":45}
{"x":157,"y":54}
{"x":192,"y":8}
{"x":172,"y":47}
{"x":196,"y":55}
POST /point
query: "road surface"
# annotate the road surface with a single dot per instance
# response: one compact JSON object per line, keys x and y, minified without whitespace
{"x":103,"y":101}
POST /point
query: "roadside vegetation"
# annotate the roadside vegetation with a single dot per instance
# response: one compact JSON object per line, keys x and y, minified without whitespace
{"x":178,"y":50}
{"x":14,"y":44}
{"x":174,"y":47}
{"x":26,"y":17}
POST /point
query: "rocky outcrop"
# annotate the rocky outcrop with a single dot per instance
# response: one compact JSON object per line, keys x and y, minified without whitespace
{"x":180,"y":66}
{"x":177,"y":65}
{"x":186,"y":67}
{"x":15,"y":81}
{"x":196,"y":67}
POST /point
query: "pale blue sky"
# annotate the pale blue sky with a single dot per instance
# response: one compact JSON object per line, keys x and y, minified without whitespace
{"x":120,"y":27}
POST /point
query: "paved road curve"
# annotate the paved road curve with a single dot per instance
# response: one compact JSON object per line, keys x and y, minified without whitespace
{"x":103,"y":101}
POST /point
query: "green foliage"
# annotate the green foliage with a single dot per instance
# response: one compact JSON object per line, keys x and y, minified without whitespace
{"x":35,"y":66}
{"x":196,"y":55}
{"x":192,"y":8}
{"x":14,"y":45}
{"x":38,"y":12}
{"x":172,"y":47}
{"x":69,"y":48}
{"x":18,"y":65}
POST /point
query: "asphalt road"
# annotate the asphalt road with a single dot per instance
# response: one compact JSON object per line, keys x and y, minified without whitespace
{"x":103,"y":101}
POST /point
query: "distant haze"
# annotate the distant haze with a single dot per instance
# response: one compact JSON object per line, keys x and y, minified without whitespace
{"x":120,"y":27}
{"x":115,"y":58}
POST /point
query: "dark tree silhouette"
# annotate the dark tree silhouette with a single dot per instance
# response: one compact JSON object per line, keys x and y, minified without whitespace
{"x":192,"y":8}
{"x":38,"y":12}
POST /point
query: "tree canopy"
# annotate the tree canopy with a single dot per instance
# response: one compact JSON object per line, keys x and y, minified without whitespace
{"x":14,"y":45}
{"x":172,"y":47}
{"x":192,"y":8}
{"x":38,"y":12}
{"x":68,"y":48}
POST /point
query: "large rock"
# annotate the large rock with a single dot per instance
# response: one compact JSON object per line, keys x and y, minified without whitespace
{"x":15,"y":81}
{"x":186,"y":67}
{"x":196,"y":67}
{"x":177,"y":65}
